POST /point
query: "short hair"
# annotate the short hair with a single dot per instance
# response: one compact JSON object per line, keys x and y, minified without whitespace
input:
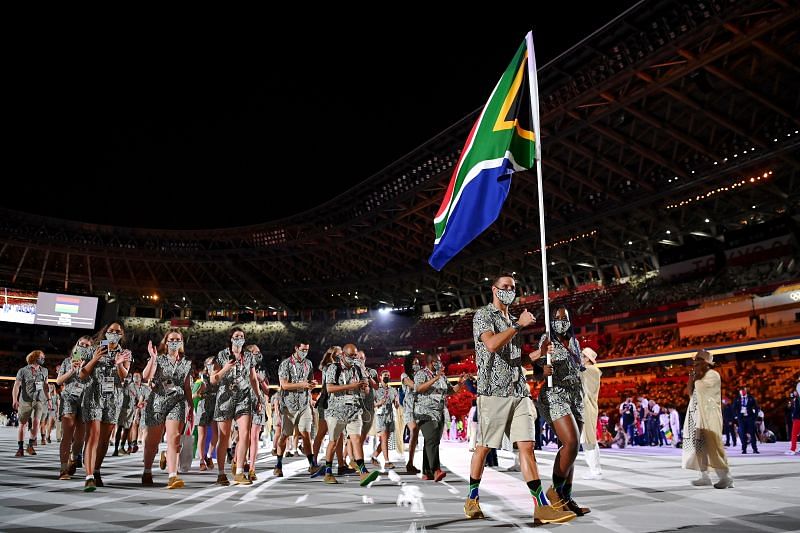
{"x":33,"y":356}
{"x":503,"y":275}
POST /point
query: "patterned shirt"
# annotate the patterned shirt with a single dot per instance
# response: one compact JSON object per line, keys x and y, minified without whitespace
{"x":344,"y":405}
{"x":566,"y":371}
{"x":387,"y":395}
{"x":32,"y":383}
{"x":73,"y":385}
{"x":430,"y":405}
{"x":105,"y":367}
{"x":239,"y":375}
{"x":295,"y":371}
{"x":169,"y":377}
{"x":499,"y":373}
{"x":369,"y":396}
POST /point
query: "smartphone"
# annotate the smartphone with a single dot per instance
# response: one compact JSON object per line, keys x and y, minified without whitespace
{"x":104,"y":342}
{"x":76,"y":356}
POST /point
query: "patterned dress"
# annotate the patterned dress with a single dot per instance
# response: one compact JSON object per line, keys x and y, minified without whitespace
{"x":384,"y":415}
{"x":102,"y":396}
{"x":235,"y":396}
{"x":566,"y":395}
{"x":72,"y":393}
{"x":168,"y":400}
{"x":409,"y":393}
{"x":208,"y":401}
{"x":260,"y":415}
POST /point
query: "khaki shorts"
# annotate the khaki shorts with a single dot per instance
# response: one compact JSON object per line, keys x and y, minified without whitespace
{"x":513,"y":416}
{"x":336,"y":427}
{"x":302,"y":419}
{"x":27,"y":408}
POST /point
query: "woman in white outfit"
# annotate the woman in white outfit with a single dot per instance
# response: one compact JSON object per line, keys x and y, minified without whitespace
{"x":590,"y":381}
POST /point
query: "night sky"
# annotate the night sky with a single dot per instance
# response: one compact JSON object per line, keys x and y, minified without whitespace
{"x":208,"y":128}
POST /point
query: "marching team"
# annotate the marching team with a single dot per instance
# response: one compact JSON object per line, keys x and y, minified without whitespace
{"x":98,"y":395}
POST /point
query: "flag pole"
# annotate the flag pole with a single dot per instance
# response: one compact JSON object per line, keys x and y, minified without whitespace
{"x":534,"y":95}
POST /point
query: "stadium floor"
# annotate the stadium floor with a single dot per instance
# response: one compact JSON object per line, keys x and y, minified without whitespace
{"x":644,"y":490}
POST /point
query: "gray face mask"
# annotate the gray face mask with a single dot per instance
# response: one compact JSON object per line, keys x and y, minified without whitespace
{"x":40,"y":361}
{"x":561,"y":326}
{"x":437,"y":366}
{"x":174,"y":345}
{"x":84,"y":351}
{"x":301,"y":354}
{"x":237,"y":342}
{"x":113,"y":338}
{"x":506,"y":297}
{"x":349,"y":360}
{"x":415,"y":367}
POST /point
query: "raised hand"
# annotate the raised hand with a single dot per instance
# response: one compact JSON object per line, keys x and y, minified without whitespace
{"x":526,"y":319}
{"x":151,"y":349}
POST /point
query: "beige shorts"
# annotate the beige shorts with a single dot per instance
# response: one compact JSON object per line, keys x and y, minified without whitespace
{"x":302,"y":420}
{"x":27,"y":408}
{"x":336,"y":427}
{"x":513,"y":416}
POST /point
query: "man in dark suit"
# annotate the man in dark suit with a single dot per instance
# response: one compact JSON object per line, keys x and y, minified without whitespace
{"x":728,"y":422}
{"x":746,"y":410}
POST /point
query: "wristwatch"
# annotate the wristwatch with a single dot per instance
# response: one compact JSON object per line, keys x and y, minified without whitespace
{"x":517,"y":326}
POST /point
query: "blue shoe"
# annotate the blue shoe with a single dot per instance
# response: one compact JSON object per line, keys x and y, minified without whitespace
{"x":319,"y":472}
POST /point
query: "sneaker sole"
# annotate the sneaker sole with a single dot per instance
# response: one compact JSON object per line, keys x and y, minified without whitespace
{"x":539,"y":521}
{"x":89,"y":489}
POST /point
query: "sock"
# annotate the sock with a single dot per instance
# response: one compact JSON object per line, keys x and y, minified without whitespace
{"x":361,"y":467}
{"x":20,"y":442}
{"x":280,"y":462}
{"x":558,"y":484}
{"x":148,"y":470}
{"x":30,"y":442}
{"x":90,"y":476}
{"x":329,"y":467}
{"x":566,"y":491}
{"x":63,"y":466}
{"x":173,"y":474}
{"x":535,"y":487}
{"x":473,"y":488}
{"x":312,"y":461}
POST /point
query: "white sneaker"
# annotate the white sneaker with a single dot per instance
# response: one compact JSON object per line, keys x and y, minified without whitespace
{"x":592,"y":475}
{"x":702,"y":481}
{"x":790,"y":452}
{"x":725,"y":482}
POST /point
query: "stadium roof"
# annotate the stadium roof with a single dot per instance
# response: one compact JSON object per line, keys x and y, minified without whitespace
{"x":671,"y":102}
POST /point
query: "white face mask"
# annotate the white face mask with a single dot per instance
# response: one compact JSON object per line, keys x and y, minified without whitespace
{"x":113,"y":338}
{"x":301,"y":354}
{"x":237,"y":342}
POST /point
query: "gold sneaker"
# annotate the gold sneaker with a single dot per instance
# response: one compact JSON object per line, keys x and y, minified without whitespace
{"x":175,"y":483}
{"x":222,"y":479}
{"x":555,"y":500}
{"x":330,"y":480}
{"x":252,"y":475}
{"x":547,"y":514}
{"x":472,"y":509}
{"x":241,"y":479}
{"x":162,"y":462}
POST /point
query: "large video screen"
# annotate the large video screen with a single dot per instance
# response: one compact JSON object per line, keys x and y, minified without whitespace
{"x":47,"y":308}
{"x":65,"y":310}
{"x":18,"y":306}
